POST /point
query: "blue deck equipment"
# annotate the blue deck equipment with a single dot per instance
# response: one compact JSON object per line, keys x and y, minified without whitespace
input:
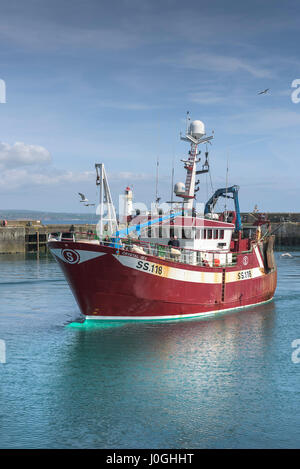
{"x":129,"y":229}
{"x":223,"y":193}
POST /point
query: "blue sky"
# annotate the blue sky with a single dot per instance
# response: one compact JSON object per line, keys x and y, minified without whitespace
{"x":93,"y":81}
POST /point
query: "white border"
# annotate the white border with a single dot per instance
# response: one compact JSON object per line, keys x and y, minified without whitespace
{"x":258,"y":255}
{"x":83,"y":254}
{"x":185,"y":275}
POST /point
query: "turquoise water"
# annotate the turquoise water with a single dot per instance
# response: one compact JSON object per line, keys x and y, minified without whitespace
{"x":228,"y":382}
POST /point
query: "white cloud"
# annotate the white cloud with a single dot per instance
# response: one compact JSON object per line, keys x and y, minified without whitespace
{"x":22,"y":154}
{"x":48,"y":35}
{"x":16,"y":178}
{"x":211,"y":62}
{"x":262,"y":121}
{"x":129,"y":176}
{"x":206,"y":97}
{"x":129,"y":106}
{"x":23,"y":165}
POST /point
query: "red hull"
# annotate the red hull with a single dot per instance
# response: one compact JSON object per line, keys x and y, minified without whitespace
{"x":115,"y":284}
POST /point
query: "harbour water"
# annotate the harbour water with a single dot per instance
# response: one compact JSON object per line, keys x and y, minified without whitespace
{"x":227,"y":382}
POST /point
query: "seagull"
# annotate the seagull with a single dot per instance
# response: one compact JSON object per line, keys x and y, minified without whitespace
{"x":83,"y":198}
{"x":264,"y":91}
{"x":87,"y":205}
{"x":286,"y":254}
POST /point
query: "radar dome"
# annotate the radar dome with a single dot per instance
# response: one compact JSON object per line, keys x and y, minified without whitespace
{"x":179,"y":188}
{"x":197,"y":129}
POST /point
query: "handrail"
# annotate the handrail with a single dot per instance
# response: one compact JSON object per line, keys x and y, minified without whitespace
{"x":184,"y":255}
{"x":181,"y":255}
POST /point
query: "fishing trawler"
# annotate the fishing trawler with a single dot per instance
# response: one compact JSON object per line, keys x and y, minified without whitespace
{"x":134,"y":271}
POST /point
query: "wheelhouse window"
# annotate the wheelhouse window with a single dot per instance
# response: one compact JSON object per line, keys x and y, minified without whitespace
{"x":209,"y":234}
{"x":221,"y":234}
{"x":216,"y":234}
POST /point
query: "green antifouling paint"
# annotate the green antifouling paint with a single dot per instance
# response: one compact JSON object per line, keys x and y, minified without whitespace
{"x":96,"y":324}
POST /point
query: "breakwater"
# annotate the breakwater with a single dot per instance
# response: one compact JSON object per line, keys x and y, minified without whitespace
{"x":24,"y":236}
{"x":286,"y":227}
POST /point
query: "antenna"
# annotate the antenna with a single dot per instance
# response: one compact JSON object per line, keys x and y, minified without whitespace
{"x":172,"y":181}
{"x":225,"y":208}
{"x":157,"y":199}
{"x":187,"y":121}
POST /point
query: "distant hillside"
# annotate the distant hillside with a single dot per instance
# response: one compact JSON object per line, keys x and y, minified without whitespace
{"x":49,"y":217}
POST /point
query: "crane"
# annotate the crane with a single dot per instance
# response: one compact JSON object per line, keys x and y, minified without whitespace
{"x":223,"y":193}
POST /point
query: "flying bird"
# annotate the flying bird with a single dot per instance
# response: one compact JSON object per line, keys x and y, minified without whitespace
{"x":83,"y":197}
{"x":286,"y":254}
{"x":88,"y":205}
{"x":264,"y":91}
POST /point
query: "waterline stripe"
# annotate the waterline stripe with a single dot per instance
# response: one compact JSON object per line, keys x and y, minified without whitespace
{"x":175,"y":316}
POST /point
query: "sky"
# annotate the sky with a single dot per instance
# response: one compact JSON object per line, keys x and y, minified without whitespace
{"x":85,"y":82}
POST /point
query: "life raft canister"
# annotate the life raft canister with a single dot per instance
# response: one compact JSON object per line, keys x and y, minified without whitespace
{"x":258,"y":233}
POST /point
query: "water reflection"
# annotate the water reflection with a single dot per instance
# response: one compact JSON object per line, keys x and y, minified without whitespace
{"x":223,"y":382}
{"x":172,"y":379}
{"x":227,"y":336}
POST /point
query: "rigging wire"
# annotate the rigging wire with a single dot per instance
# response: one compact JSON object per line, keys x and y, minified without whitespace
{"x":172,"y":180}
{"x":225,"y":205}
{"x":212,"y":188}
{"x":157,"y":199}
{"x":210,"y":177}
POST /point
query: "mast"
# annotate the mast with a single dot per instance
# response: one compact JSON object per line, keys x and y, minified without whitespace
{"x":157,"y":199}
{"x":108,"y":220}
{"x":225,"y":208}
{"x":194,"y":135}
{"x":172,"y":181}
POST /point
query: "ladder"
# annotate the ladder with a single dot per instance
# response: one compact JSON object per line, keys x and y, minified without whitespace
{"x":190,"y":168}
